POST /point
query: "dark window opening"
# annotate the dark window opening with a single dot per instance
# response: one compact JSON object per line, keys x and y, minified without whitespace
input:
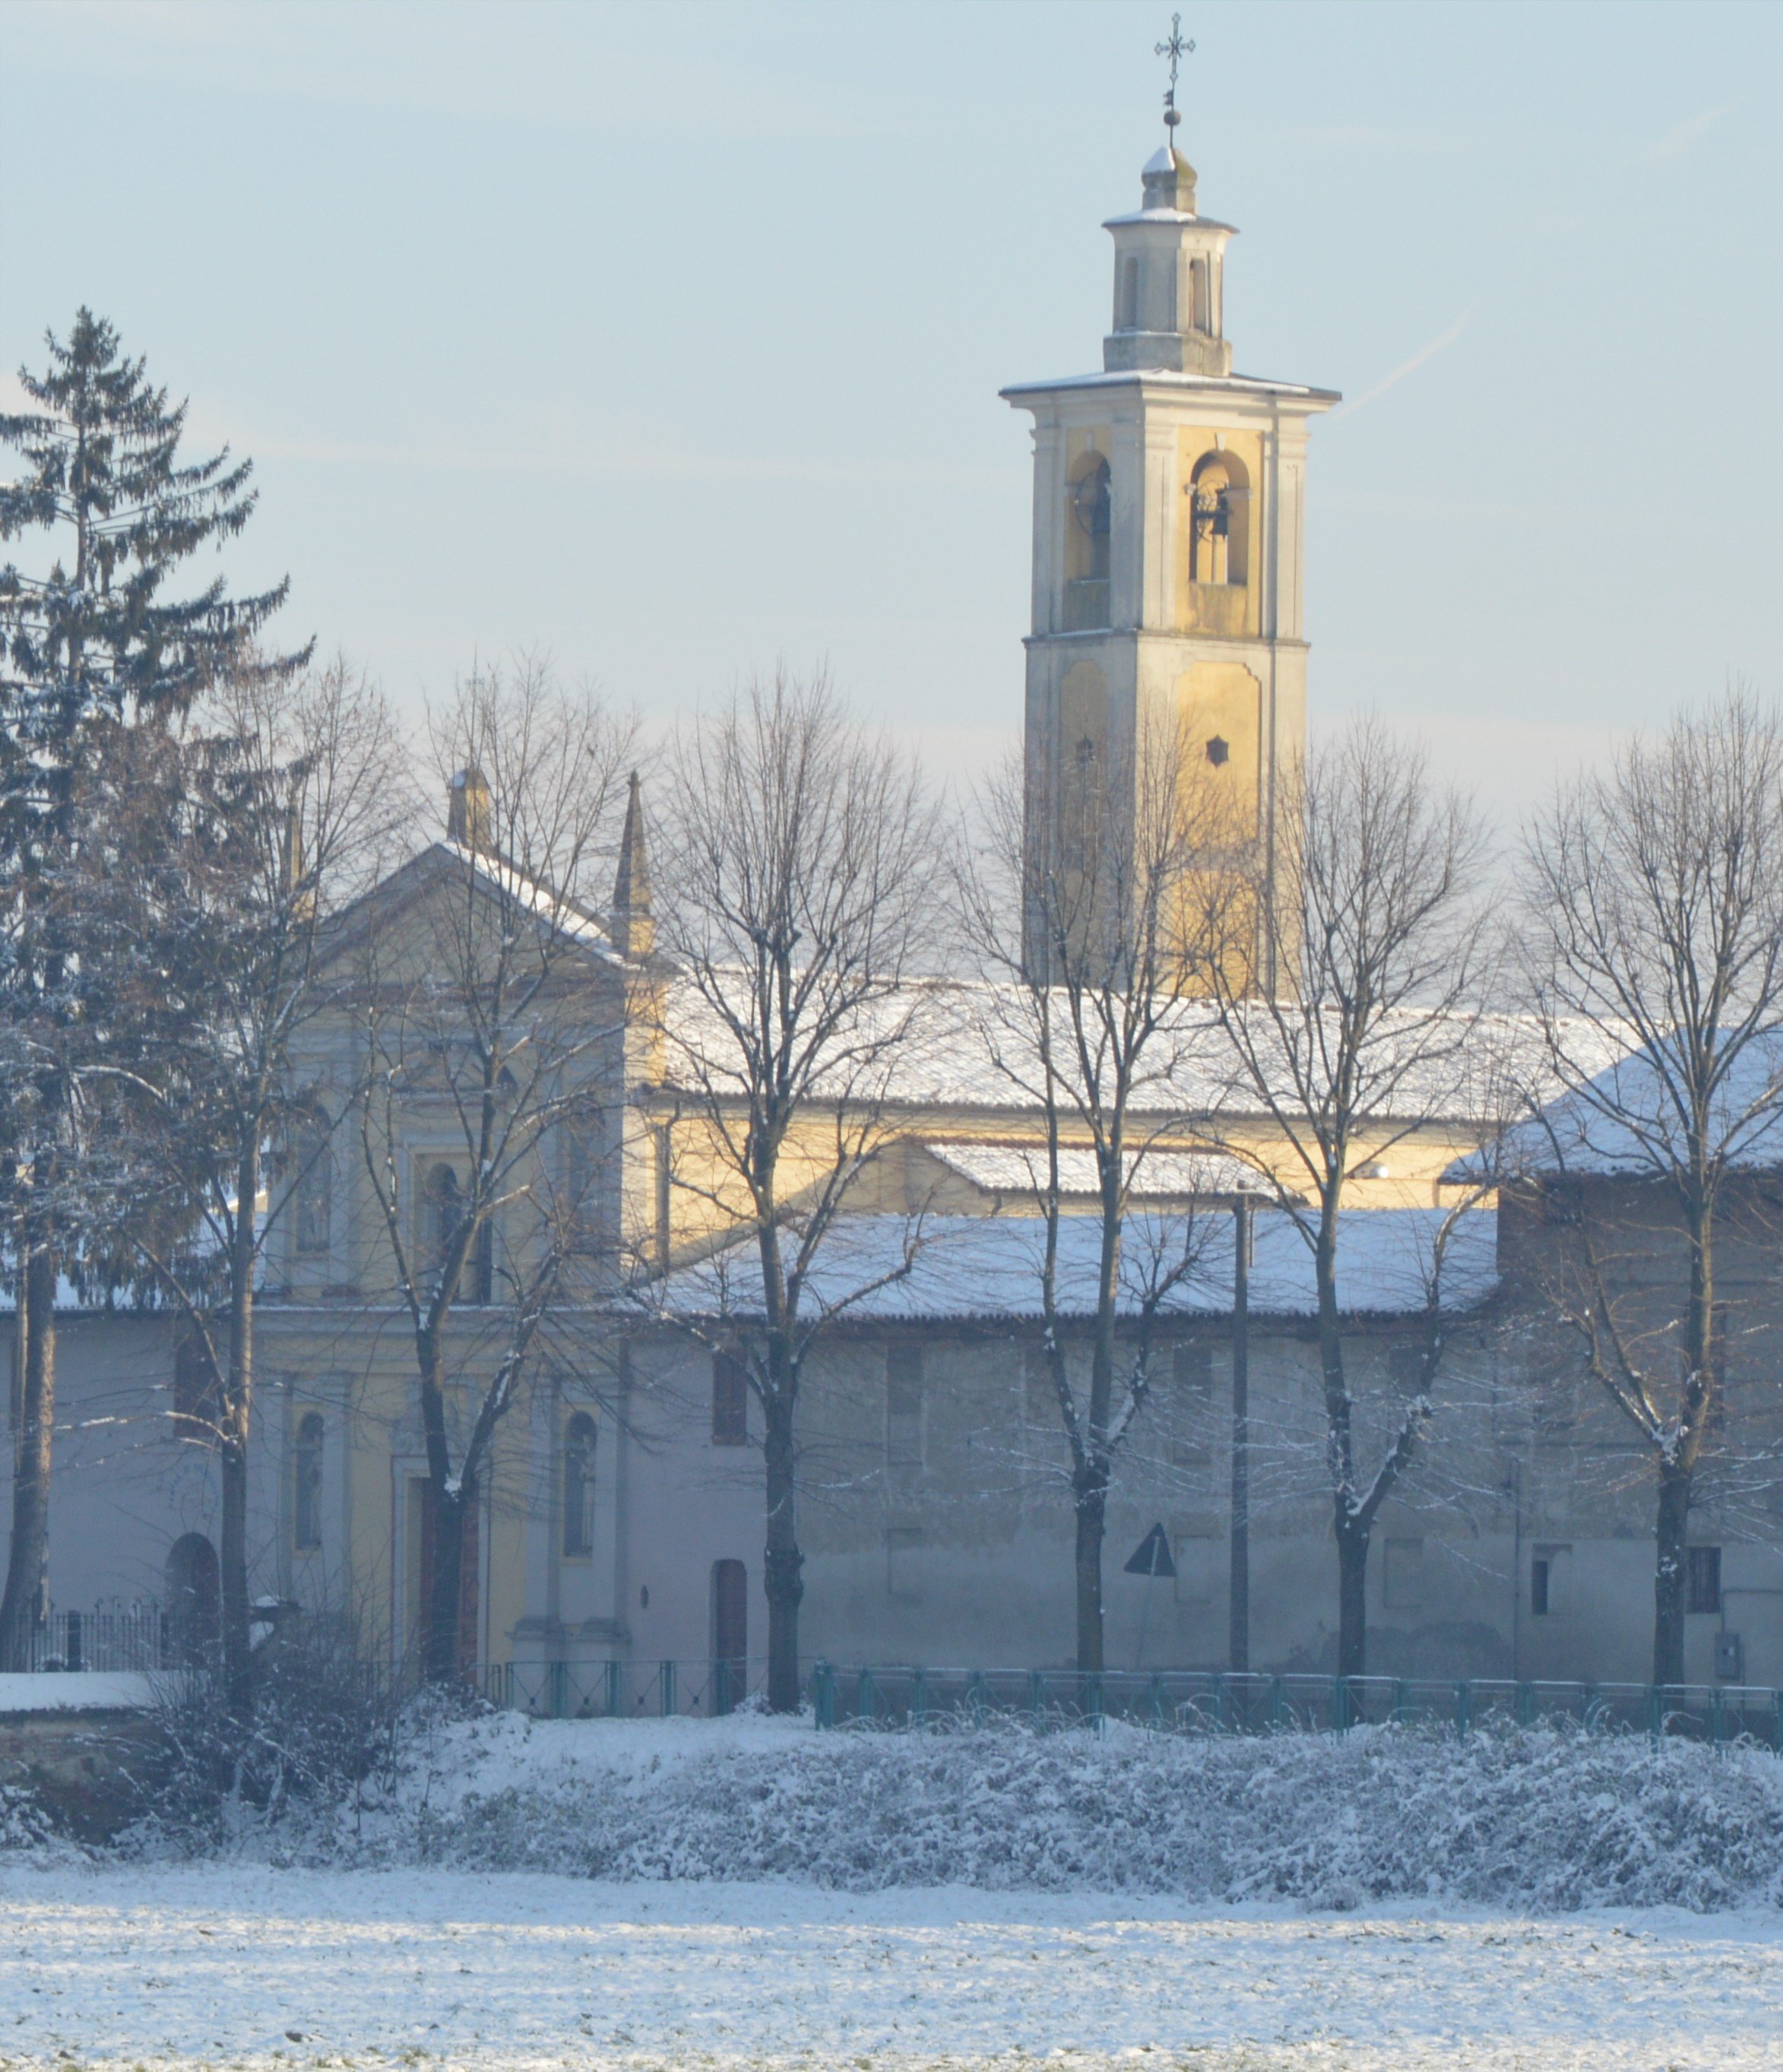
{"x":306,"y":1507}
{"x":730,"y":1401}
{"x":579,"y":1485}
{"x":1539,"y":1586}
{"x":1219,"y":751}
{"x":1702,"y":1580}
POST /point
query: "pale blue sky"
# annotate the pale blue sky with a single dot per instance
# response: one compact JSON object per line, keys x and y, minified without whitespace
{"x":669,"y":337}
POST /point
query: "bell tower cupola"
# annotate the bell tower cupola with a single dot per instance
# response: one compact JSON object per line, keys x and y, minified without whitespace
{"x":1170,"y":269}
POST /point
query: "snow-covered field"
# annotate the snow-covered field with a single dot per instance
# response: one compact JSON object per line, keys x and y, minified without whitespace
{"x":220,"y":1967}
{"x":747,"y":1894}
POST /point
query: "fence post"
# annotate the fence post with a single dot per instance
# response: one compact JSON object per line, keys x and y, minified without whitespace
{"x":1339,"y":1704}
{"x":1656,"y":1717}
{"x":612,"y":1693}
{"x":1464,"y":1692}
{"x":667,"y":1689}
{"x":1092,"y":1699}
{"x":1717,"y":1717}
{"x":823,"y":1696}
{"x":1277,"y":1697}
{"x":977,"y":1698}
{"x":1036,"y":1694}
{"x":1401,"y":1702}
{"x":919,"y":1697}
{"x":864,"y":1706}
{"x":1526,"y":1704}
{"x":1157,"y":1695}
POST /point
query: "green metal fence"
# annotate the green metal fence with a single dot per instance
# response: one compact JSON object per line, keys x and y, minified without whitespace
{"x":905,"y":1696}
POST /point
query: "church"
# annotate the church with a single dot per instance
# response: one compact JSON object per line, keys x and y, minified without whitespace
{"x":621,"y":1523}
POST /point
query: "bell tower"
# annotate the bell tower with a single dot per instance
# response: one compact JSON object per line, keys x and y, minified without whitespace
{"x":1168,"y":503}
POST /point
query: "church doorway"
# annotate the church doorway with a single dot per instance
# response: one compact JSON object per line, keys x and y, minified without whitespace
{"x":729,"y":1634}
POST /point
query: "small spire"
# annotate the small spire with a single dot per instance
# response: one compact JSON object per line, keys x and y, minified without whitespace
{"x":633,"y":931}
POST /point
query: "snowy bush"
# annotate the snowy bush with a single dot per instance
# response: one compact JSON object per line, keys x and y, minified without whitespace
{"x":1548,"y":1818}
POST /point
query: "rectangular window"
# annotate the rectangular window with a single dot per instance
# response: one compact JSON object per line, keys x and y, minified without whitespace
{"x":1547,"y":1580}
{"x":730,"y":1401}
{"x":904,"y":1406}
{"x":1403,"y":1575}
{"x":1702,"y":1580}
{"x":306,"y":1506}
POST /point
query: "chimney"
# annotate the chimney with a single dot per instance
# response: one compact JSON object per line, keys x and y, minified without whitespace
{"x":467,"y":810}
{"x":633,"y":931}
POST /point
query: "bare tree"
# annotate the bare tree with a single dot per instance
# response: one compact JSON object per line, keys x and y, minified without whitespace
{"x":278,"y":802}
{"x":801,"y":877}
{"x":1076,"y":907}
{"x":494,"y":1011}
{"x":1653,"y":919}
{"x":1372,"y":1031}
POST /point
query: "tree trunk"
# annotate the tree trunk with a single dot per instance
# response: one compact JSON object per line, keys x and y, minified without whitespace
{"x":451,"y":1507}
{"x":22,"y":1607}
{"x":1668,"y":1581}
{"x":237,"y":1420}
{"x":1352,"y":1598}
{"x":1092,"y":1493}
{"x":784,"y":1584}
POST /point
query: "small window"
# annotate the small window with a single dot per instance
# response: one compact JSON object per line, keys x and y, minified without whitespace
{"x":1402,"y":1579}
{"x":1547,"y":1581}
{"x":314,"y":1187}
{"x":730,"y":1401}
{"x":306,"y":1507}
{"x":1702,"y":1580}
{"x":904,"y":1405}
{"x":579,"y":1485}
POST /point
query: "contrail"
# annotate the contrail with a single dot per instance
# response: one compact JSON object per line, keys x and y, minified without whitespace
{"x":1399,"y":374}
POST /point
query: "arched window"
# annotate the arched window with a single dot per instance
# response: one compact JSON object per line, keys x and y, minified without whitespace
{"x":192,"y":1626}
{"x":579,"y":1485}
{"x":306,"y":1478}
{"x":1091,"y":510}
{"x":314,"y":1186}
{"x":1127,"y":318}
{"x":444,"y":1207}
{"x":1219,"y":523}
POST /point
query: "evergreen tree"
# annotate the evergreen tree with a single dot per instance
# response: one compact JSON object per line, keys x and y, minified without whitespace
{"x":95,"y":639}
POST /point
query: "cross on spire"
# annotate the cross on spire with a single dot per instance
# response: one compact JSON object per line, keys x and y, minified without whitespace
{"x":1176,"y":47}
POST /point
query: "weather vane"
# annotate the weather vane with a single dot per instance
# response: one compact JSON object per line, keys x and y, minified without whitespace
{"x":1176,"y":50}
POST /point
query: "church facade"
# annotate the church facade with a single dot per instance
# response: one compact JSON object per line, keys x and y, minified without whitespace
{"x":621,"y":1521}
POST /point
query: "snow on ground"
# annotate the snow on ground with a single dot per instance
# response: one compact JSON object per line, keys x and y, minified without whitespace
{"x":83,"y":1689}
{"x":746,"y":1894}
{"x":196,"y":1965}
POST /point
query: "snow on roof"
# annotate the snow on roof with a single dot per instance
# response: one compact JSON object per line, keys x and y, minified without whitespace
{"x":537,"y":897}
{"x":1240,"y":384}
{"x":972,"y":1045}
{"x":1623,"y":1120}
{"x":1022,"y":1169}
{"x":981,"y":1268}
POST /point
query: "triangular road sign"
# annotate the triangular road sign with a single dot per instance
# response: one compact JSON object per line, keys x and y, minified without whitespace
{"x":1152,"y":1556}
